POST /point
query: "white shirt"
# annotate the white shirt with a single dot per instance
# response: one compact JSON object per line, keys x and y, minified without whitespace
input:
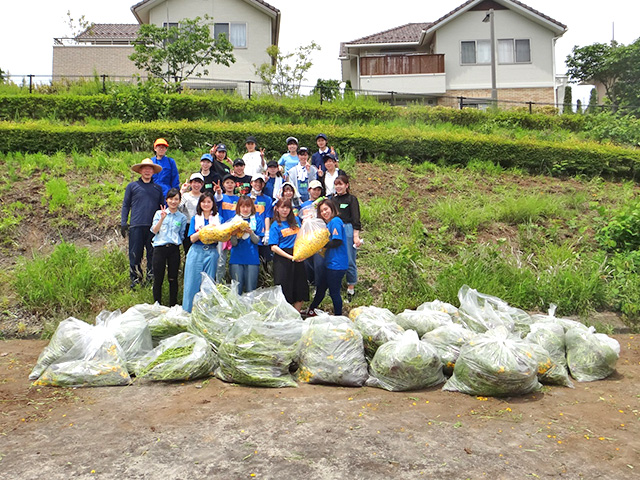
{"x":329,"y":179}
{"x":253,"y":163}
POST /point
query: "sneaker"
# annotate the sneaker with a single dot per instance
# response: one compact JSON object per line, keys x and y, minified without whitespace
{"x":311,"y":313}
{"x":351,"y":293}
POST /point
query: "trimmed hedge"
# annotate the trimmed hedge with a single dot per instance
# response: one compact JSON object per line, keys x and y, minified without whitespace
{"x":146,"y":106}
{"x":587,"y":158}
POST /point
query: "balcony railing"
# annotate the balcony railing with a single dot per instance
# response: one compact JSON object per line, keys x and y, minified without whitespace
{"x":407,"y":64}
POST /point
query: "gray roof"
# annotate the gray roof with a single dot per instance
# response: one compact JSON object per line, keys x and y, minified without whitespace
{"x":110,"y":31}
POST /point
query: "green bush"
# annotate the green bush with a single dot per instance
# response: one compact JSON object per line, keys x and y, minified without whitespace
{"x":366,"y":142}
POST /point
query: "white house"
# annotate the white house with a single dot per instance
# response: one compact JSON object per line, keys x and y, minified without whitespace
{"x":250,"y":25}
{"x":451,"y":57}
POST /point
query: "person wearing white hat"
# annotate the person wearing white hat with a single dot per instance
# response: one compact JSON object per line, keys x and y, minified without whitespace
{"x":191,"y":192}
{"x":141,"y":199}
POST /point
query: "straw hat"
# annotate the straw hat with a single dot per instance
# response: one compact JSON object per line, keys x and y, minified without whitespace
{"x":147,"y":162}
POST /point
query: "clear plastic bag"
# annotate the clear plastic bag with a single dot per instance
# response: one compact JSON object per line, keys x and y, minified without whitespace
{"x":565,"y":323}
{"x":495,"y":363}
{"x":182,"y":357}
{"x":377,"y":326}
{"x":405,"y":364}
{"x":591,"y":356}
{"x":131,"y":331}
{"x":332,"y":353}
{"x":439,"y":306}
{"x":312,"y":238}
{"x":150,"y":311}
{"x":68,"y":333}
{"x":172,"y":322}
{"x":259,"y":353}
{"x":222,"y":233}
{"x":480,"y":312}
{"x":95,"y":360}
{"x":423,"y":321}
{"x":448,"y":340}
{"x":549,"y":372}
{"x":271,"y":303}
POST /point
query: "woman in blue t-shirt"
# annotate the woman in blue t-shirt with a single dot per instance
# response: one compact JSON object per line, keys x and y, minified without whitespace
{"x":244,"y":260}
{"x":336,"y":259}
{"x":289,"y":274}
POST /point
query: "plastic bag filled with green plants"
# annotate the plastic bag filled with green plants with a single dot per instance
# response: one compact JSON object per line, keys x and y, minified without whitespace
{"x":422,"y":321}
{"x":259,"y":353}
{"x":68,"y":333}
{"x":332,"y":353}
{"x":591,"y":356}
{"x":480,"y":312}
{"x":150,"y":310}
{"x":566,"y":323}
{"x":377,"y":326}
{"x":549,"y":372}
{"x":550,"y":336}
{"x":131,"y":331}
{"x":182,"y":357}
{"x":172,"y":322}
{"x":270,"y":303}
{"x":448,"y":340}
{"x":405,"y":364}
{"x":95,"y":360}
{"x":496,"y":363}
{"x":444,"y":307}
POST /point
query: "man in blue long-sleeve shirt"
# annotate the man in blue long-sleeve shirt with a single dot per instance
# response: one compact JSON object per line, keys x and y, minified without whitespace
{"x":141,"y":198}
{"x":168,"y":177}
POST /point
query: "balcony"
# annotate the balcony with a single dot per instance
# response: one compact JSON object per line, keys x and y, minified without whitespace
{"x":408,"y":73}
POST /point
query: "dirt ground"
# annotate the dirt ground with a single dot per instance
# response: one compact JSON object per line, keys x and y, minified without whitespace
{"x":210,"y":429}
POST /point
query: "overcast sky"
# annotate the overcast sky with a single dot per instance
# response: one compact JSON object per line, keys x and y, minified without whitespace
{"x":29,"y":26}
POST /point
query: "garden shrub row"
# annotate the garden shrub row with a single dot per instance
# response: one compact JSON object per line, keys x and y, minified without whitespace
{"x":365,"y":142}
{"x":133,"y":105}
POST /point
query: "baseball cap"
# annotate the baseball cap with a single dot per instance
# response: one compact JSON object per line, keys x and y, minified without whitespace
{"x":292,"y":139}
{"x":303,"y":149}
{"x":314,"y":184}
{"x":228,"y":176}
{"x":222,"y":147}
{"x":207,"y":156}
{"x":272,"y":163}
{"x":329,"y":156}
{"x":196,"y":176}
{"x":160,"y":141}
{"x":251,"y":139}
{"x":257,"y":176}
{"x":322,"y":135}
{"x":238,"y":161}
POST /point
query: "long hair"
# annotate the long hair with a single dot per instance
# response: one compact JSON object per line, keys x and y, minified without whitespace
{"x":245,"y":200}
{"x":291,"y":218}
{"x":330,"y":204}
{"x":214,"y":209}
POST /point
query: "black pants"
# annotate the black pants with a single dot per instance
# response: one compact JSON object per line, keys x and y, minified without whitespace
{"x":292,"y":278}
{"x":139,"y":241}
{"x":166,"y":256}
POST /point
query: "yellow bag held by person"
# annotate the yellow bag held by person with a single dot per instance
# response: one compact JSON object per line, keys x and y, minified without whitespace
{"x":222,"y":233}
{"x":312,"y":238}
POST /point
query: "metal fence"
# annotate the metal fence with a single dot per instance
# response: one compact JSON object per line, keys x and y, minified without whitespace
{"x":251,"y":88}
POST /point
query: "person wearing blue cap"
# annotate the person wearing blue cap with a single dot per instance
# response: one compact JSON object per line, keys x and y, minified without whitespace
{"x":210,"y":177}
{"x":317,"y":158}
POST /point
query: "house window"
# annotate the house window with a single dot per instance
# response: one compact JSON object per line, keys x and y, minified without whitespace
{"x":236,"y":33}
{"x":514,"y":51}
{"x":476,"y":52}
{"x":169,"y":25}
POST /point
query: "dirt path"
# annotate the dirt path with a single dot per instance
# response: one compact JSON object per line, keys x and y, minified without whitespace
{"x":209,"y":429}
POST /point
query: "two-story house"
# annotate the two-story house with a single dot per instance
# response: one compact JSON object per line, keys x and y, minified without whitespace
{"x":250,"y":25}
{"x":451,"y":57}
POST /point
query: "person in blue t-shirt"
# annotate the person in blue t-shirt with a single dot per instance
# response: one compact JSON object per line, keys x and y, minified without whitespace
{"x":226,"y":203}
{"x":244,"y":260}
{"x":287,"y":273}
{"x":168,"y":177}
{"x":264,"y":210}
{"x":290,"y":159}
{"x":336,"y":259}
{"x":168,"y":226}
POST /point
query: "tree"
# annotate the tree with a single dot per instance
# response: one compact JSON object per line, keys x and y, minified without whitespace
{"x":567,"y":107}
{"x":593,"y":101}
{"x":328,"y":90}
{"x":175,"y":53}
{"x":79,"y":26}
{"x":286,"y":72}
{"x":4,"y":76}
{"x":579,"y":106}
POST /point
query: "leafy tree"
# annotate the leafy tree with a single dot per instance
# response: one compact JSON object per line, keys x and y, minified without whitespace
{"x":78,"y":26}
{"x":286,"y":72}
{"x":593,"y":101}
{"x":567,"y":107}
{"x":4,"y":76}
{"x":175,"y":53}
{"x":579,"y":106}
{"x":327,"y":89}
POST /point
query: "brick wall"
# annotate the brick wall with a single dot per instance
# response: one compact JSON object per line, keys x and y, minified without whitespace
{"x":521,"y":95}
{"x":87,"y":60}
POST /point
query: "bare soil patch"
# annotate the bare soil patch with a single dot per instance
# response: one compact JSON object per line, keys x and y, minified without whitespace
{"x":210,"y":429}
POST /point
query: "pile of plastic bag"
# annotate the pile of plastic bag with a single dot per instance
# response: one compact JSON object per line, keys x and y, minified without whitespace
{"x":486,"y":346}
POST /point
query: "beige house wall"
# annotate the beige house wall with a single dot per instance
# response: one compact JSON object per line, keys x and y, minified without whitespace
{"x":87,"y":60}
{"x":520,"y":95}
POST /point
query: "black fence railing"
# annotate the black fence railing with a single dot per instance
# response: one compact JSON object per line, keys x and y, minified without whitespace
{"x":324,"y":93}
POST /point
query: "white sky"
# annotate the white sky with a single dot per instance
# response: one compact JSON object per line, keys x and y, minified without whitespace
{"x":29,"y":26}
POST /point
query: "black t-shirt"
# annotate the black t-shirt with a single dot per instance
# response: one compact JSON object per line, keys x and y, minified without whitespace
{"x":243,"y":185}
{"x":210,"y":180}
{"x":220,"y":168}
{"x":348,"y":209}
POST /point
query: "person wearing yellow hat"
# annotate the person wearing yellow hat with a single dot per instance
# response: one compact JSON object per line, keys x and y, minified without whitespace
{"x":141,"y":200}
{"x":168,"y":177}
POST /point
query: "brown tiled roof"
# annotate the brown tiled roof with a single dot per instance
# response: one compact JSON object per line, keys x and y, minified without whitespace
{"x":403,"y":34}
{"x":110,"y":31}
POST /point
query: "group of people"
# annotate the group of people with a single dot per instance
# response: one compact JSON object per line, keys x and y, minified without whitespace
{"x":160,"y":214}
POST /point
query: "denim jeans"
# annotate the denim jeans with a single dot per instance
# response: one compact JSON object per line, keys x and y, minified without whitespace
{"x":333,"y":280}
{"x":315,"y":269}
{"x":139,"y":241}
{"x":246,"y":276}
{"x":352,"y":271}
{"x":201,"y":258}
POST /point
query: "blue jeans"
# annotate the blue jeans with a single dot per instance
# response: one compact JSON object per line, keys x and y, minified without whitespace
{"x":333,"y":280}
{"x":352,"y":271}
{"x":201,"y":258}
{"x":139,"y":241}
{"x":246,"y":276}
{"x":315,"y":269}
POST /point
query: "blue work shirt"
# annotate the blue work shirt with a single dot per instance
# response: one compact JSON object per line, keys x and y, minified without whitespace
{"x":172,"y":229}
